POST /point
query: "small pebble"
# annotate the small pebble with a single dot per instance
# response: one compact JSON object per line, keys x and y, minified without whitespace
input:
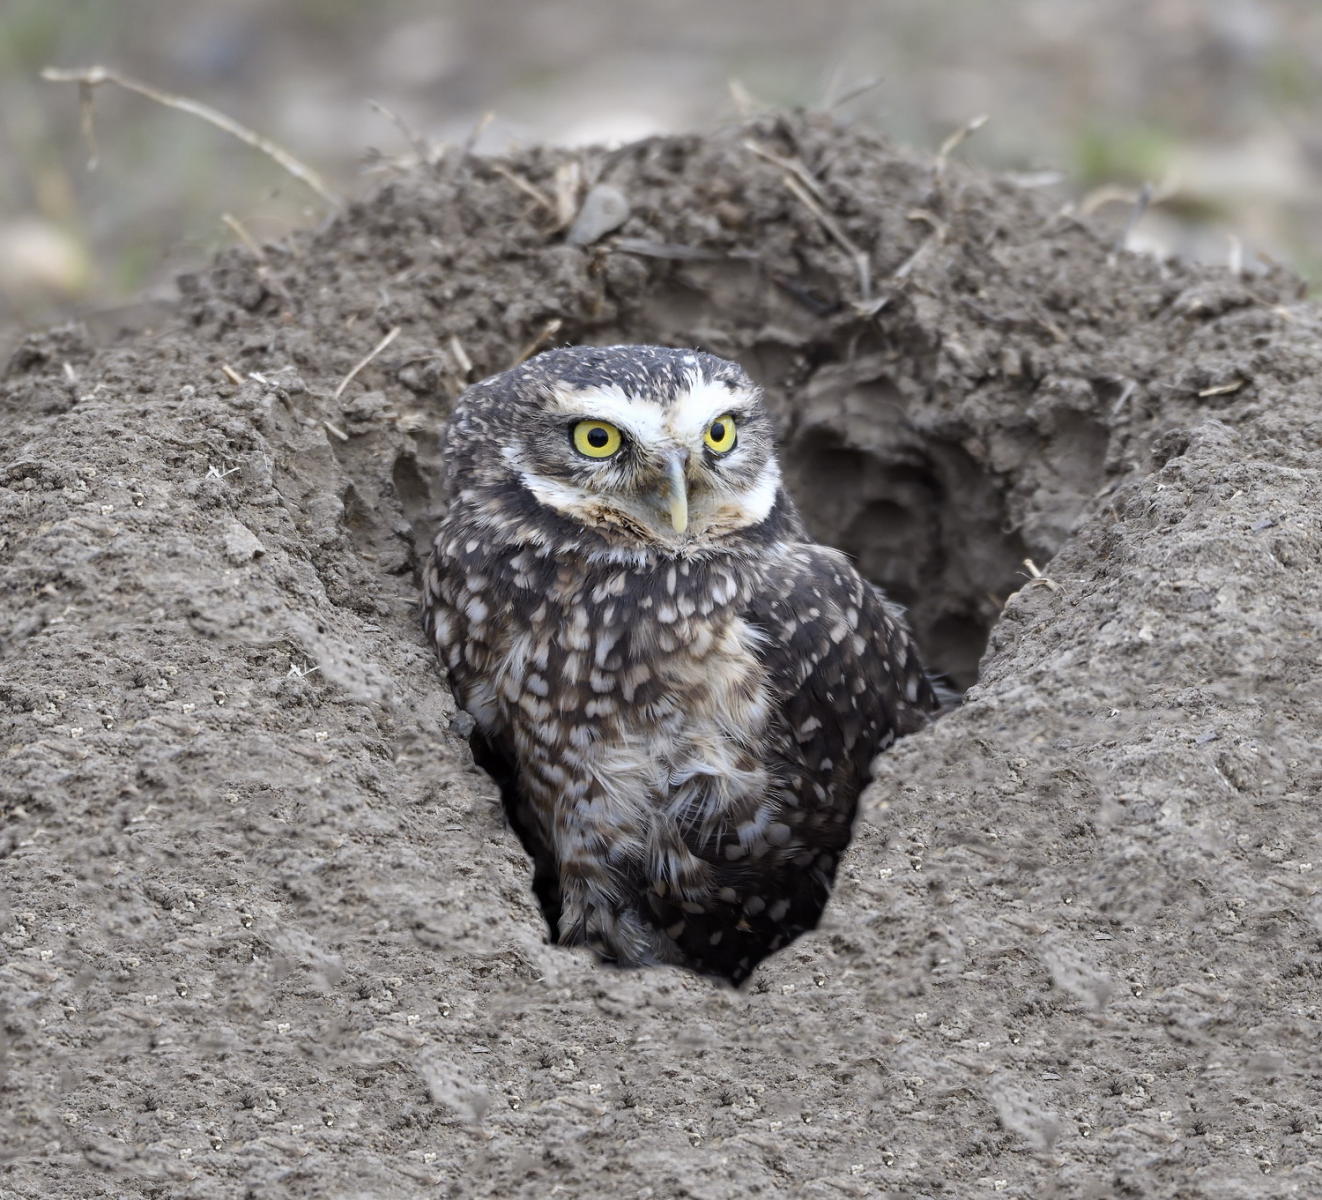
{"x":604,"y":210}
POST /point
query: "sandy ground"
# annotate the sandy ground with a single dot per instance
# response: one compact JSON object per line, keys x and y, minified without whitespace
{"x":264,"y":931}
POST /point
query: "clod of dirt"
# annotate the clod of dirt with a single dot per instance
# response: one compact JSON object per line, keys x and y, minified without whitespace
{"x":265,"y":928}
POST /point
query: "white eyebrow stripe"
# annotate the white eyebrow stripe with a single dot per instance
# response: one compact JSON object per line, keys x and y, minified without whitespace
{"x":643,"y":420}
{"x":684,"y":421}
{"x":692,"y":411}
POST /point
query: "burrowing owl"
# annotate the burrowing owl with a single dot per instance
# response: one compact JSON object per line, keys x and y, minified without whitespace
{"x":678,"y":691}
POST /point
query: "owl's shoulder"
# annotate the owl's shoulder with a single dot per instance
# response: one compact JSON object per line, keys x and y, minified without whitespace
{"x":837,"y":650}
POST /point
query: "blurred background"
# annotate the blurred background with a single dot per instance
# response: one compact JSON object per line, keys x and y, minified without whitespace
{"x":1215,"y":103}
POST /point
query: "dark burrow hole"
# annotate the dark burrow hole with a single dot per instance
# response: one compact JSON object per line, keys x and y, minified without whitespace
{"x":923,"y":521}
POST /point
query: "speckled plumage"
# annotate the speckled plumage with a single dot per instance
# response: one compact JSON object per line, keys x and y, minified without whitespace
{"x":681,"y":722}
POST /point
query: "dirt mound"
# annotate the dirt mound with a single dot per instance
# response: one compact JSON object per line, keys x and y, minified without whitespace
{"x":265,"y":928}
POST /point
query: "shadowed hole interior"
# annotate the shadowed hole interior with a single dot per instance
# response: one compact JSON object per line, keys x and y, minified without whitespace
{"x":921,"y":519}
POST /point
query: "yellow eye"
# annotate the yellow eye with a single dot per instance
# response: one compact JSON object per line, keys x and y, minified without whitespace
{"x":596,"y":439}
{"x":720,"y":435}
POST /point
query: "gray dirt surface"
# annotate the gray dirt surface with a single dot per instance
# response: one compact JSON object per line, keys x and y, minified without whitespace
{"x":264,"y":930}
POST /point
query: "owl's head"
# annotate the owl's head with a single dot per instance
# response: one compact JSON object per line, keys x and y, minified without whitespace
{"x":646,"y":446}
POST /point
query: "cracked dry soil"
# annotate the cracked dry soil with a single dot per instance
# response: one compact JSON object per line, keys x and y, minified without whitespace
{"x":264,"y":931}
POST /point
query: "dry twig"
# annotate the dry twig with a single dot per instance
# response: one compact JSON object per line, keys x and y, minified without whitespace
{"x":524,"y":186}
{"x":953,"y":142}
{"x":745,"y":103}
{"x":1036,"y":576}
{"x":862,"y":263}
{"x":92,"y":77}
{"x":1126,"y":394}
{"x":853,"y":93}
{"x":358,"y":366}
{"x":549,"y":330}
{"x":479,"y":128}
{"x":258,"y":253}
{"x":935,"y":237}
{"x":416,"y":141}
{"x":1141,"y":206}
{"x":806,"y":189}
{"x":254,"y":248}
{"x":1224,"y":389}
{"x":568,"y":185}
{"x":1113,"y":193}
{"x":797,"y":169}
{"x":1235,"y":256}
{"x":464,"y":363}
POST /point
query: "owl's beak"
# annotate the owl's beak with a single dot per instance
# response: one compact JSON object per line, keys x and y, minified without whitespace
{"x":677,"y":489}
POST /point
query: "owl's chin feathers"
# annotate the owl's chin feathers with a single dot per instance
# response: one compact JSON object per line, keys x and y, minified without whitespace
{"x":610,"y":516}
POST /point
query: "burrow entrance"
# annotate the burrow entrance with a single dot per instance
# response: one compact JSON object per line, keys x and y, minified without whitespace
{"x":917,"y":514}
{"x":912,"y":506}
{"x":945,"y":420}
